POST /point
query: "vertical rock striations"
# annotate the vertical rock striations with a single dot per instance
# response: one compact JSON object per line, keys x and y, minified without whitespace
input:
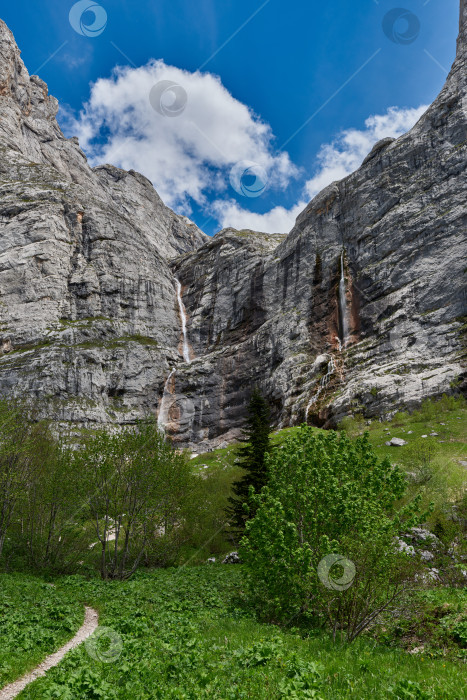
{"x":88,"y":304}
{"x":273,"y":317}
{"x":113,"y":307}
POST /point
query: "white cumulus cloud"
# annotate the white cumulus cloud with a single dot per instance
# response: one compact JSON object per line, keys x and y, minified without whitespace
{"x":346,"y":153}
{"x":335,"y":161}
{"x":188,"y":157}
{"x":278,"y":220}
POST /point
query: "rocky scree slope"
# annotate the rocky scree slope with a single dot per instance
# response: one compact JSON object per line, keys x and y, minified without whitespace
{"x":360,"y":308}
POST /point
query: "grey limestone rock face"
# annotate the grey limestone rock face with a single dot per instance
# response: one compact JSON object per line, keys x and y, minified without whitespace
{"x":88,"y":308}
{"x":361,"y":308}
{"x":396,"y":231}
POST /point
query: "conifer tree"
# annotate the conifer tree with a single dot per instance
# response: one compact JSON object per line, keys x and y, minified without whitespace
{"x":252,"y":458}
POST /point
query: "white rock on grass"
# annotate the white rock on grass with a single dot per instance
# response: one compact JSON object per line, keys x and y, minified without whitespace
{"x":396,"y":442}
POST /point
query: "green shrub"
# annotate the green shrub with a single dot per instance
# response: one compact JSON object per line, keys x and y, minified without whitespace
{"x":352,"y":425}
{"x":410,"y":690}
{"x":322,"y":541}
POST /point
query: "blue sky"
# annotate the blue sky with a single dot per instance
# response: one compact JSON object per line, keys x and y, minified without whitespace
{"x":330,"y":66}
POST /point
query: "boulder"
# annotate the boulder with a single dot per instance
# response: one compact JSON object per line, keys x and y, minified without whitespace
{"x":232,"y":558}
{"x":396,"y":442}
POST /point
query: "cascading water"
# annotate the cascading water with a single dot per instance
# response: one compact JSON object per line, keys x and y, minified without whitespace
{"x":166,"y":402}
{"x":343,"y":313}
{"x":324,"y":381}
{"x":181,"y":306}
{"x":167,"y":396}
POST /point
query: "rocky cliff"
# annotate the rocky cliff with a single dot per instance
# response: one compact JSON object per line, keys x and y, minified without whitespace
{"x":88,"y":318}
{"x":360,"y":308}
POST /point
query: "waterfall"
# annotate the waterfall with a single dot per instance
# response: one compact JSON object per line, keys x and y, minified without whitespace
{"x":181,"y":306}
{"x":324,"y":381}
{"x":167,"y":397}
{"x":343,"y":315}
{"x":166,"y":403}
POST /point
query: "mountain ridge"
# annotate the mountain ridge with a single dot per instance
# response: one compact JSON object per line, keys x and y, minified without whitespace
{"x":90,"y":321}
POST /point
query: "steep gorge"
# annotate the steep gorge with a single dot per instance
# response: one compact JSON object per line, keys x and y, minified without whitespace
{"x":360,"y":308}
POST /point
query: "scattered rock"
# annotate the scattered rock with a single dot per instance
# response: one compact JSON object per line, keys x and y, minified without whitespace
{"x":397,"y":442}
{"x":404,"y":547}
{"x":232,"y":558}
{"x":426,"y":555}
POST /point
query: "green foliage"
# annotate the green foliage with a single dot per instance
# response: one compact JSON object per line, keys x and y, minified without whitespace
{"x":409,"y":690}
{"x":120,"y":500}
{"x":35,"y":619}
{"x":400,"y":418}
{"x":21,"y":444}
{"x":302,"y":680}
{"x":184,"y":636}
{"x":261,"y":653}
{"x":459,"y":633}
{"x":430,"y":408}
{"x":252,"y":459}
{"x":435,"y":622}
{"x":137,"y":489}
{"x":328,"y":495}
{"x":81,"y":684}
{"x":353,"y":425}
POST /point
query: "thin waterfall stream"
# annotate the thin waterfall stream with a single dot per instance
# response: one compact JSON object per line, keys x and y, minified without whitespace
{"x":167,"y":396}
{"x":166,"y":402}
{"x":323,"y":382}
{"x":343,"y":313}
{"x":344,"y":333}
{"x":181,"y":306}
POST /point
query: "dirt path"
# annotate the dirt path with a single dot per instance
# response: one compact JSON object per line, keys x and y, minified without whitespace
{"x":91,"y":621}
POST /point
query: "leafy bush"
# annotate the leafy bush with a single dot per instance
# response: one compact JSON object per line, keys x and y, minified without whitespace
{"x":137,"y":488}
{"x":353,"y":425}
{"x":322,"y":541}
{"x":409,"y":690}
{"x":459,"y":634}
{"x":302,"y":680}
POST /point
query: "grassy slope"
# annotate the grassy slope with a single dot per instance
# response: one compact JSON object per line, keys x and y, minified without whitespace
{"x":448,"y":476}
{"x":35,"y":620}
{"x":184,"y":637}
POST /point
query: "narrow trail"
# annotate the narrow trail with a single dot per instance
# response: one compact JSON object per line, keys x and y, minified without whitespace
{"x":91,"y":621}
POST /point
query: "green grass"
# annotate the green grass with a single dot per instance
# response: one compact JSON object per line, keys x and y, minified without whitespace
{"x":185,"y":635}
{"x":35,"y":620}
{"x":448,"y":478}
